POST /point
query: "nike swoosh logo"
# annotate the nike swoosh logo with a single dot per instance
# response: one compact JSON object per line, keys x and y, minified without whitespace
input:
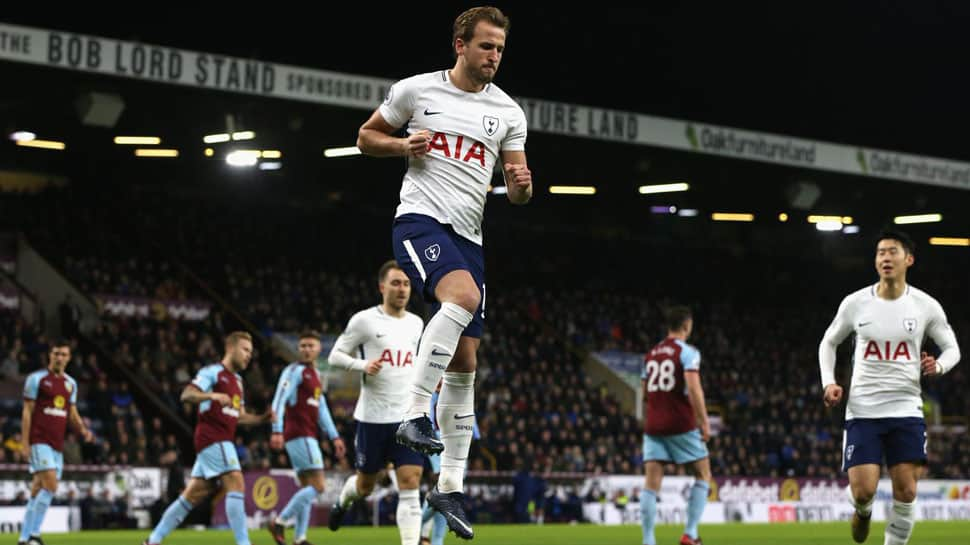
{"x":459,"y":522}
{"x":459,"y":417}
{"x":434,"y":352}
{"x":427,"y":112}
{"x":864,"y":324}
{"x":379,"y":335}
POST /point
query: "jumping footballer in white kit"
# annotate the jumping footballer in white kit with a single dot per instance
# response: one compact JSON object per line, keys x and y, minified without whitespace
{"x":460,"y":126}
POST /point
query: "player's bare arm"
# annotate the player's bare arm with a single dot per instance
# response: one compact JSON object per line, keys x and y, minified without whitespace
{"x":695,"y":393}
{"x":375,"y":139}
{"x":249,"y":419}
{"x":339,"y":447}
{"x":518,"y":177}
{"x":78,"y":424}
{"x":192,"y":394}
{"x":25,"y":427}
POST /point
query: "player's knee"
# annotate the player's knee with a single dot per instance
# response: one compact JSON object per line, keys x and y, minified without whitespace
{"x":48,"y":482}
{"x":195,"y":494}
{"x":408,"y":482}
{"x":468,"y":299}
{"x":461,"y":291}
{"x":317,"y":481}
{"x":862,"y":496}
{"x":459,"y":288}
{"x":906,"y":494}
{"x":233,"y":481}
{"x":364,"y":489}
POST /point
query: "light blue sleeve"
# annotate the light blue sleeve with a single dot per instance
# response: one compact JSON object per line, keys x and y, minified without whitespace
{"x":206,"y":378}
{"x":73,"y":391}
{"x":325,"y":420}
{"x":242,"y":393}
{"x":32,"y":385}
{"x":290,"y":379}
{"x":690,"y":357}
{"x":476,"y":433}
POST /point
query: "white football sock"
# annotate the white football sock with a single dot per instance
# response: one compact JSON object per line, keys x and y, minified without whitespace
{"x":409,"y":516}
{"x":899,"y":527}
{"x":456,"y":419}
{"x":438,"y":344}
{"x":349,"y":492}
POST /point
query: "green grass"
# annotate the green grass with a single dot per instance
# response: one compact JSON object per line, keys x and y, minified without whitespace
{"x":926,"y":533}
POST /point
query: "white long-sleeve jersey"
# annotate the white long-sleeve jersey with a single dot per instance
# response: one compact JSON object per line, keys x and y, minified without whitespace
{"x":888,"y":341}
{"x":372,"y":333}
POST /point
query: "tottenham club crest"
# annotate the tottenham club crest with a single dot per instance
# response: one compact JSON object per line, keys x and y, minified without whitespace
{"x":432,"y":252}
{"x":848,"y":452}
{"x":490,"y":122}
{"x":909,"y":324}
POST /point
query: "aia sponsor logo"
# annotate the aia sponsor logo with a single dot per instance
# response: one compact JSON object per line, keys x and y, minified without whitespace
{"x":885,"y":351}
{"x":397,"y":358}
{"x":455,"y":147}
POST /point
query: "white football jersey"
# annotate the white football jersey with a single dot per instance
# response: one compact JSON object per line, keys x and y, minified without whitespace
{"x":888,"y":342}
{"x":468,"y":131}
{"x":372,"y":333}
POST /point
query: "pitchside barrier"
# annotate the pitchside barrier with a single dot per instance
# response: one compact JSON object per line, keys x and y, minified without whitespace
{"x":142,"y":486}
{"x":606,"y":499}
{"x":766,"y":500}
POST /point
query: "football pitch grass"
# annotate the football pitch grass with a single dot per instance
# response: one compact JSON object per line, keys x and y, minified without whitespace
{"x":926,"y":533}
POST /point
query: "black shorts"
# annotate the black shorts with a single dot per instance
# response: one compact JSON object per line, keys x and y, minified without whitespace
{"x":376,"y":445}
{"x":869,"y":440}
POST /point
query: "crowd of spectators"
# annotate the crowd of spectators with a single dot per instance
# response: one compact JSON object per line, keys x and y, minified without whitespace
{"x":758,"y":321}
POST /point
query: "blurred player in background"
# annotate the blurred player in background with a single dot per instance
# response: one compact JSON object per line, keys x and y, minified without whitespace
{"x":218,"y":390}
{"x":50,"y":400}
{"x":380,"y":343}
{"x":301,"y":408}
{"x":674,"y":411}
